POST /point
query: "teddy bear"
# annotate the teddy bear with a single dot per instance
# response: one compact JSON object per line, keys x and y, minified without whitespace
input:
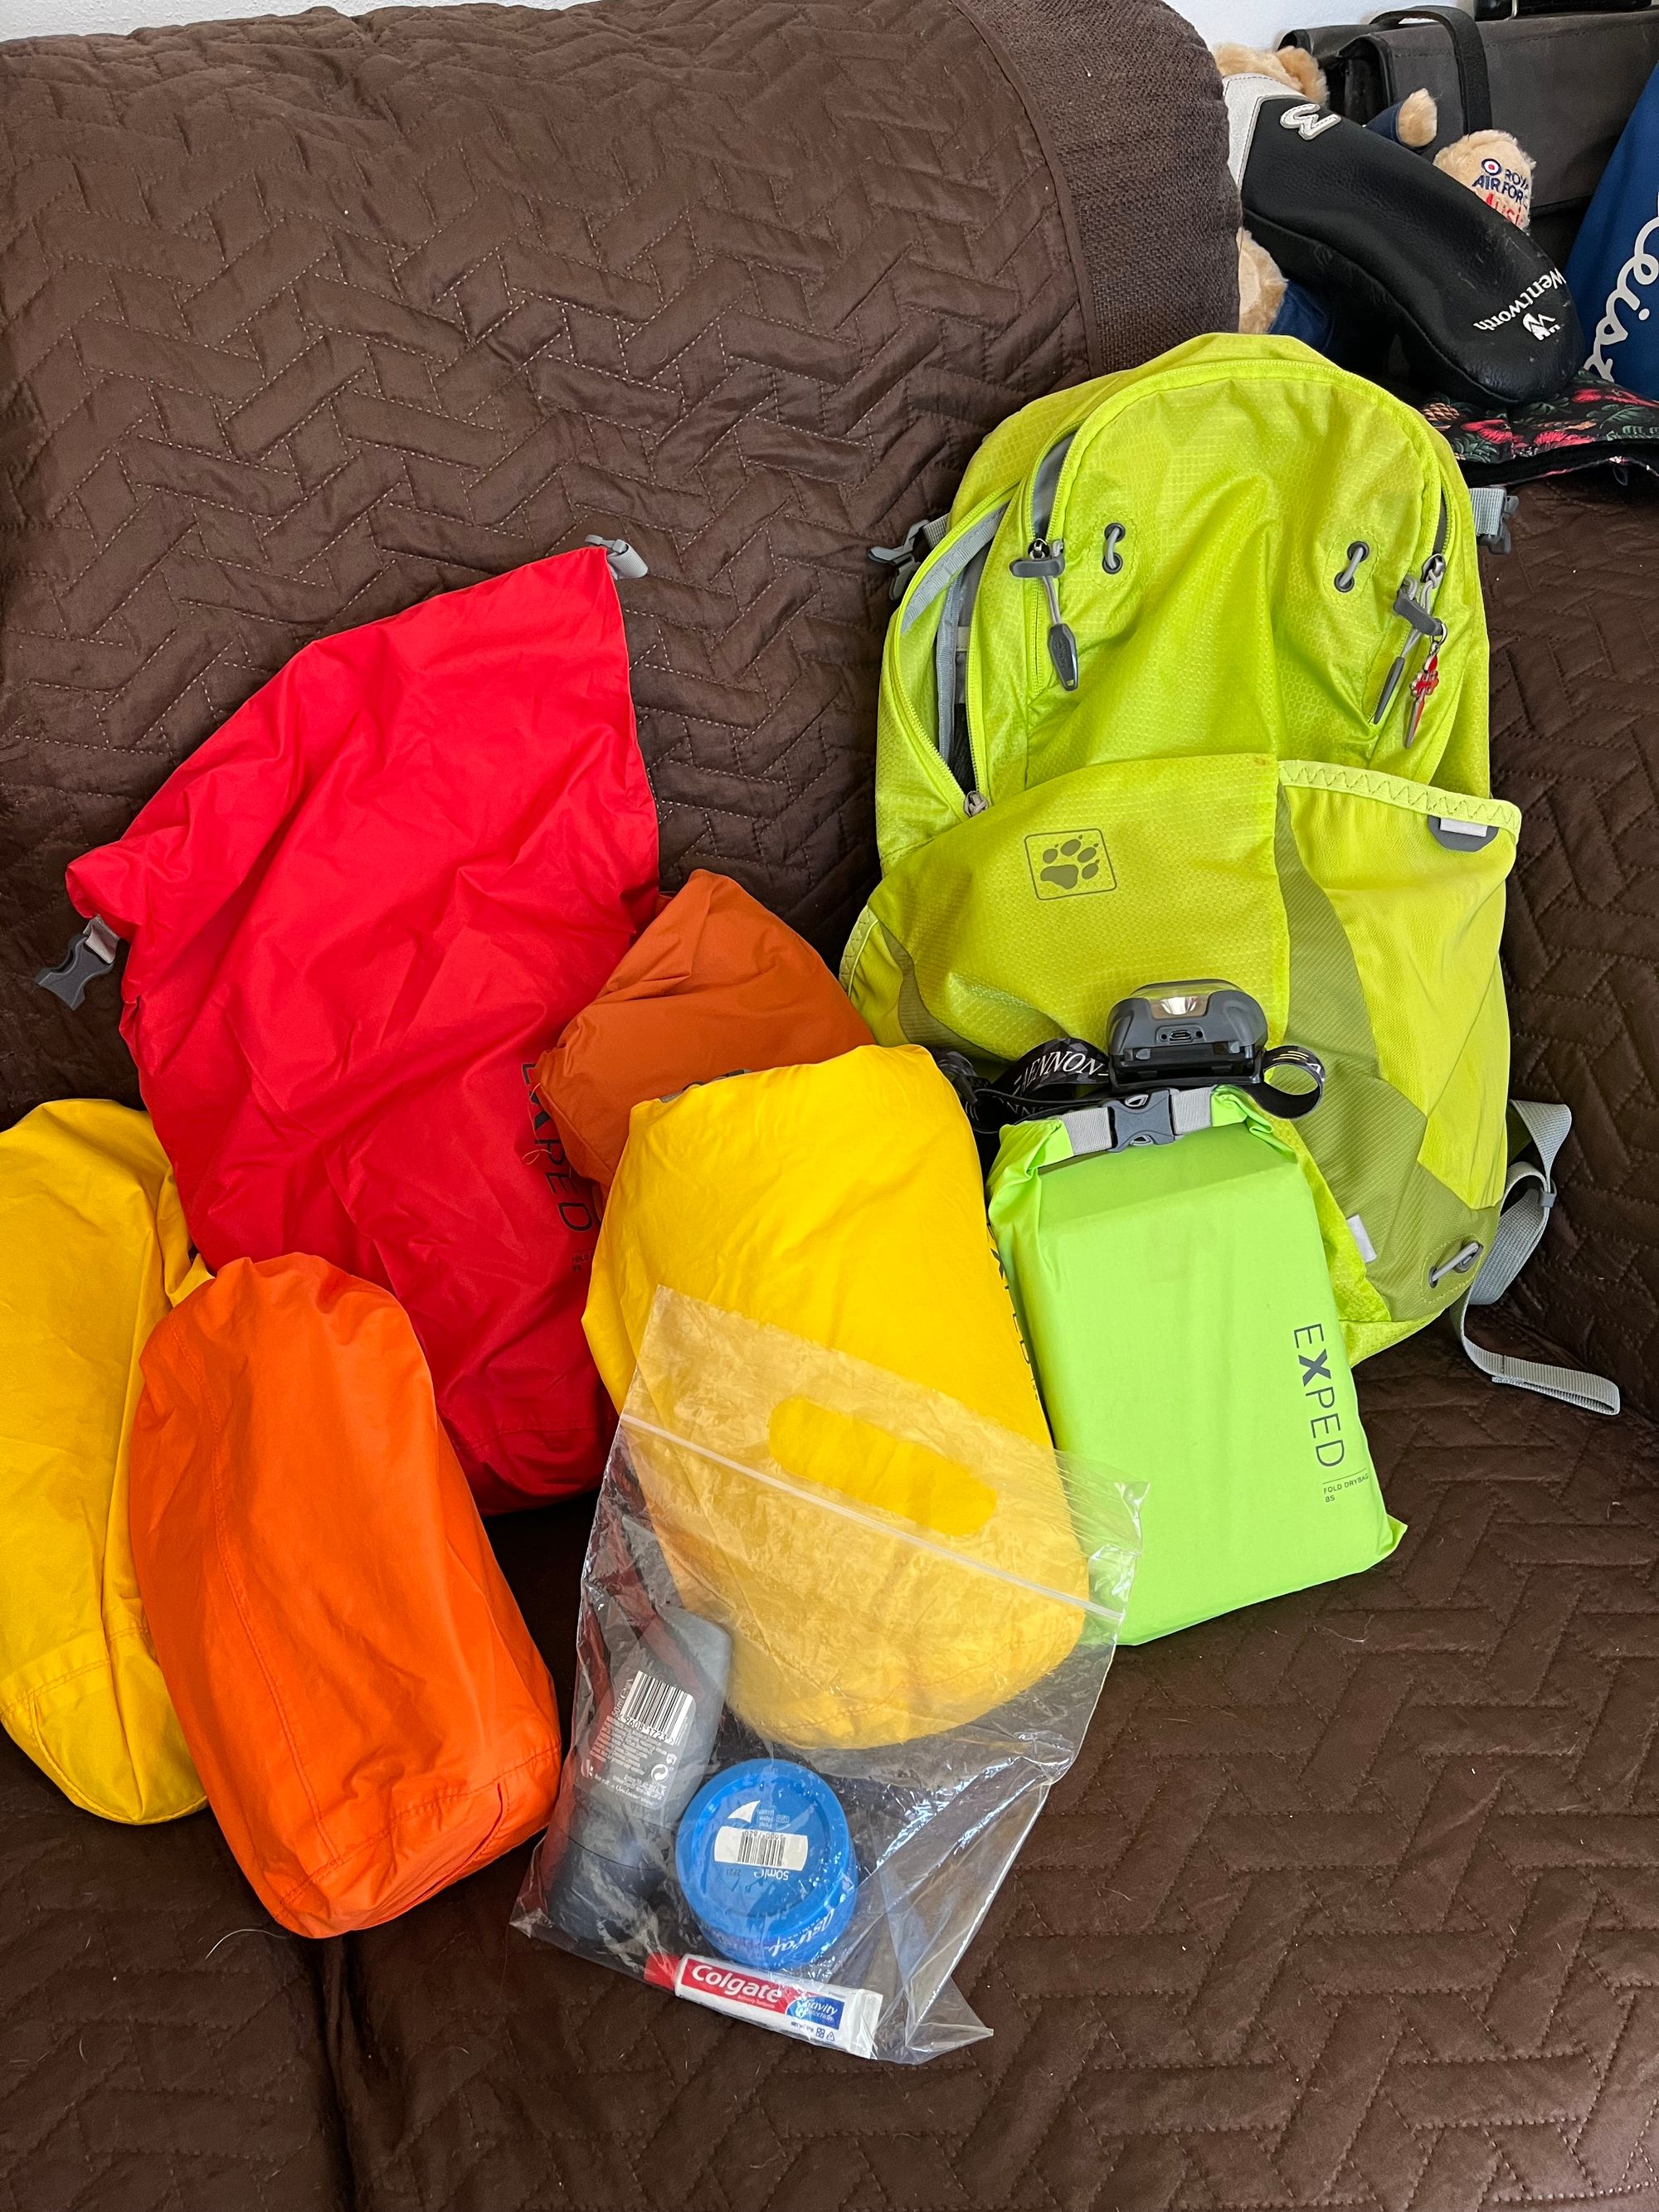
{"x":1489,"y":162}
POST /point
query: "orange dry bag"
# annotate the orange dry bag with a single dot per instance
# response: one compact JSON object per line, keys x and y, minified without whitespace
{"x":716,"y":985}
{"x":362,"y":1697}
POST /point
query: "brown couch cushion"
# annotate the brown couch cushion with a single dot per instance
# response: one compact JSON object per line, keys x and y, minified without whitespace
{"x":1574,"y":614}
{"x":306,"y":319}
{"x":160,"y":2039}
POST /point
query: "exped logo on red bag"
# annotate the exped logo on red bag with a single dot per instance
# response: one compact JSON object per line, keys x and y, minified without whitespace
{"x":570,"y":1192}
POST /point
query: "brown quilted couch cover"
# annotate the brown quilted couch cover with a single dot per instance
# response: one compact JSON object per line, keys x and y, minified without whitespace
{"x":1352,"y":1900}
{"x":308,"y":319}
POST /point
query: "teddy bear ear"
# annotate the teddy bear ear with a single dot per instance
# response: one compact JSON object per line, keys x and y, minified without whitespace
{"x":1418,"y":119}
{"x":1232,"y":59}
{"x":1303,"y":71}
{"x":1298,"y":70}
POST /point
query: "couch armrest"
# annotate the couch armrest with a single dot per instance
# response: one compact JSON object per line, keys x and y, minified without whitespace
{"x":1123,"y":96}
{"x":1574,"y":614}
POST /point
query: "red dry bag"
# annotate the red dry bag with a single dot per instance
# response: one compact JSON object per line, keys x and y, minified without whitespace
{"x":357,"y":916}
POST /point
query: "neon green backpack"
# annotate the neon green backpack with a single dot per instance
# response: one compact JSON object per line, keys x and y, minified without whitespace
{"x":1194,"y":683}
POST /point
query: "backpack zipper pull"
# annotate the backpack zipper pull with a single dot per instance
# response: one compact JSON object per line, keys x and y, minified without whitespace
{"x":1046,"y":564}
{"x":1412,"y":603}
{"x":1425,"y":681}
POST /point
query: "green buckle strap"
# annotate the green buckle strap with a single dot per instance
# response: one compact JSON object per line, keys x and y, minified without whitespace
{"x":1528,"y":1195}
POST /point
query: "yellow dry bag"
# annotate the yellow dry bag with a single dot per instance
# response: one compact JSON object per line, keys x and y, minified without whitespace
{"x":841,"y":1203}
{"x":93,"y":1254}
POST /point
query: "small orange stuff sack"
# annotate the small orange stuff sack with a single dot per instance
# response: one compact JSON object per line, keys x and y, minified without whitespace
{"x":364,"y":1704}
{"x":715,"y":985}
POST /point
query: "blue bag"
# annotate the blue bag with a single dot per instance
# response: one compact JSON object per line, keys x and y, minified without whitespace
{"x":1614,"y":268}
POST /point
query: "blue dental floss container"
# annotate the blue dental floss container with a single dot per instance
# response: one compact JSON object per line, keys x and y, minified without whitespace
{"x":765,"y":1862}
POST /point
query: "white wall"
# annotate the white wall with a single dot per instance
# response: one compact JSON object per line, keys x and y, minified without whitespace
{"x":35,"y":19}
{"x":1258,"y":22}
{"x":1263,"y":23}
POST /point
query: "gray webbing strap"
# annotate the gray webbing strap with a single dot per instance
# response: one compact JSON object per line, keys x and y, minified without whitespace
{"x":1528,"y":1195}
{"x":1492,"y":506}
{"x":951,"y":564}
{"x":905,"y":558}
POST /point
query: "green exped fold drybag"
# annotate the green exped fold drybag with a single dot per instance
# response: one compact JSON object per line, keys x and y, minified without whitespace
{"x":1177,"y":1308}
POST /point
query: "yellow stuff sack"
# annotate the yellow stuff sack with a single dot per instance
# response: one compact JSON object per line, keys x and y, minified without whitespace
{"x":93,"y":1253}
{"x":842,"y":1203}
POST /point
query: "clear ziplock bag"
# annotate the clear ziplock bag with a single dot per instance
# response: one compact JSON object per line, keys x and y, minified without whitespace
{"x":838,"y":1639}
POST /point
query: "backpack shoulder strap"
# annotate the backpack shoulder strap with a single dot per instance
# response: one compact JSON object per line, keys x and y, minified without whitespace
{"x":1528,"y":1195}
{"x":1468,"y":51}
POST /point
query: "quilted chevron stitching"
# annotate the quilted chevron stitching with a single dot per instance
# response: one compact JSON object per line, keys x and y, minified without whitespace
{"x":393,"y":509}
{"x":1575,"y":657}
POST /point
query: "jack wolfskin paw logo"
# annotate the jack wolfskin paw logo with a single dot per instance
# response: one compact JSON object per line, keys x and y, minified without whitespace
{"x":1077,"y":861}
{"x":1066,"y":862}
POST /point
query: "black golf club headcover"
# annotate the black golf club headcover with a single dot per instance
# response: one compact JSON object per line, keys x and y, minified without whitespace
{"x":1397,"y":248}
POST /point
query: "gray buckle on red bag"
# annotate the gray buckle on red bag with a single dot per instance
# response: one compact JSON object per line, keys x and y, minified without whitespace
{"x":91,"y":954}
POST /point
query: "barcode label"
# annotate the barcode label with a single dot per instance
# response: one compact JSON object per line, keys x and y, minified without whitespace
{"x":656,"y":1708}
{"x":754,"y":1847}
